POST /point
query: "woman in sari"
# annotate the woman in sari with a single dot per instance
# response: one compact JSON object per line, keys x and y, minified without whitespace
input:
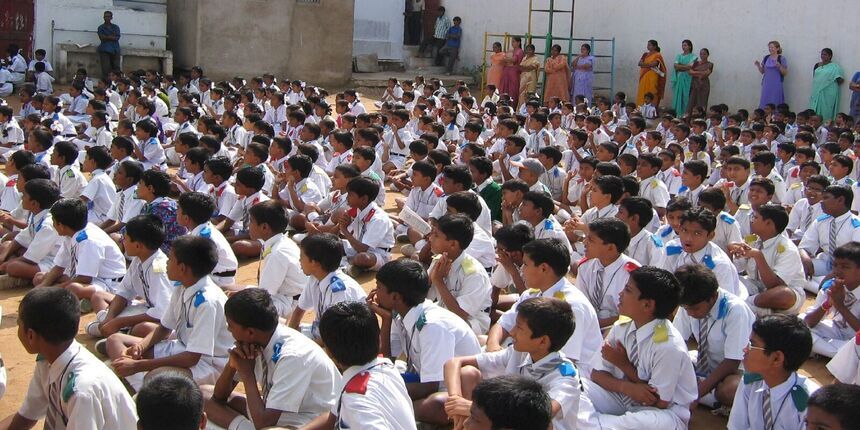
{"x":773,"y":69}
{"x":854,"y":86}
{"x":529,"y":77}
{"x":652,"y":75}
{"x":700,"y":87}
{"x":681,"y":78}
{"x":583,"y":74}
{"x":826,"y":78}
{"x":557,"y":76}
{"x":497,"y":65}
{"x":510,"y":84}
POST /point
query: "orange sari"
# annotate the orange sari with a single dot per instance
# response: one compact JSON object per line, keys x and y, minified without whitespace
{"x":650,"y":81}
{"x":497,"y":65}
{"x":557,"y":78}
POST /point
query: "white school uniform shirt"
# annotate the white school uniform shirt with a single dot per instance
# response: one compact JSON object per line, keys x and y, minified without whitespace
{"x":356,"y":108}
{"x":817,"y":236}
{"x":422,"y":201}
{"x":196,"y":183}
{"x":395,"y":151}
{"x":225,"y":198}
{"x":12,"y":133}
{"x":482,"y":248}
{"x":654,"y":191}
{"x":727,"y":326}
{"x":10,"y":198}
{"x":647,"y":249}
{"x":469,"y":283}
{"x":691,"y":195}
{"x":728,"y":230}
{"x":102,"y":195}
{"x":432,"y":335}
{"x":321,"y":294}
{"x":31,"y":67}
{"x":555,"y":373}
{"x":554,"y":179}
{"x":484,"y":219}
{"x":373,"y":227}
{"x":786,"y":411}
{"x":79,"y":104}
{"x":594,"y":213}
{"x":585,"y":341}
{"x":322,"y":180}
{"x":672,"y":178}
{"x":196,"y":316}
{"x":781,"y":254}
{"x":845,"y":365}
{"x":154,"y":154}
{"x":592,"y":275}
{"x":739,"y":194}
{"x":27,"y":109}
{"x":306,"y":190}
{"x":276,"y":116}
{"x":281,"y":274}
{"x":68,"y":125}
{"x":78,"y":391}
{"x":779,"y":186}
{"x":662,"y":361}
{"x":226,"y":258}
{"x":374,"y":396}
{"x":40,"y":239}
{"x":91,"y":252}
{"x":239,"y":213}
{"x":712,"y":257}
{"x":833,"y":331}
{"x":70,"y":180}
{"x":538,"y":140}
{"x":801,"y":217}
{"x":793,"y":193}
{"x":550,"y":228}
{"x":147,"y":281}
{"x":339,"y":158}
{"x":126,"y":206}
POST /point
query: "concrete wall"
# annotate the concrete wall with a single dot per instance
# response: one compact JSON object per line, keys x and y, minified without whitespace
{"x":379,"y":28}
{"x":291,"y":39}
{"x":735,"y":31}
{"x":81,"y":18}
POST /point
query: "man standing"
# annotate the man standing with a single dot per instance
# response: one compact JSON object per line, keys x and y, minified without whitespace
{"x":414,"y":21}
{"x":440,"y":31}
{"x":452,"y":47}
{"x":108,"y":50}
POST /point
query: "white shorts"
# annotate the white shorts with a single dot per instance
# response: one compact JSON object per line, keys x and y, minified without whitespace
{"x":207,"y":369}
{"x":382,"y":256}
{"x":845,"y":365}
{"x":102,"y":284}
{"x":755,"y":287}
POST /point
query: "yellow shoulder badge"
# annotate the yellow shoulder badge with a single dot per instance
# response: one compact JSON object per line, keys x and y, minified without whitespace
{"x":780,"y":249}
{"x":744,"y":206}
{"x":796,"y":185}
{"x":532,"y":291}
{"x":559,"y":295}
{"x":750,"y":239}
{"x":622,"y":319}
{"x":468,"y":265}
{"x":661,"y":332}
{"x":159,"y":266}
{"x":654,"y":184}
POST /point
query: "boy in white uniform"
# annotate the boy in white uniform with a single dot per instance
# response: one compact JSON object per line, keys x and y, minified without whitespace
{"x":807,"y":209}
{"x":644,"y":247}
{"x":297,"y":190}
{"x":367,"y":232}
{"x":192,"y":334}
{"x":321,"y":255}
{"x":536,"y":210}
{"x":39,"y":240}
{"x":833,"y":320}
{"x":216,"y":173}
{"x":67,"y":175}
{"x":12,"y":137}
{"x":100,"y":192}
{"x":298,"y":379}
{"x":720,"y":323}
{"x":645,"y":378}
{"x":545,"y":264}
{"x":773,"y":395}
{"x":193,"y":213}
{"x":728,"y":228}
{"x":650,"y":187}
{"x":397,"y":142}
{"x":836,"y":227}
{"x":70,"y":388}
{"x":127,"y":205}
{"x":483,"y":246}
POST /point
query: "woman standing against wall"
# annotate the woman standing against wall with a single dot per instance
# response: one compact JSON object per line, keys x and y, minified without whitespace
{"x":773,"y":69}
{"x":511,"y":72}
{"x":652,"y":75}
{"x":854,"y":86}
{"x":583,"y":74}
{"x":529,"y":68}
{"x":700,"y":86}
{"x":497,"y":66}
{"x":557,"y":76}
{"x":826,"y":78}
{"x":681,"y":77}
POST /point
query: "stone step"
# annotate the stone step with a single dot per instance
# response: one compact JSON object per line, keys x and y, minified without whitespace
{"x":429,"y":71}
{"x":418,"y":62}
{"x":410,"y":50}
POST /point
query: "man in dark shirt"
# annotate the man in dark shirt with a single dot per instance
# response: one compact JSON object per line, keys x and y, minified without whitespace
{"x":451,"y":50}
{"x":108,"y":50}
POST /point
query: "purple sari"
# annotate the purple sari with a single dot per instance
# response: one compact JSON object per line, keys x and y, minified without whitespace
{"x":771,"y":82}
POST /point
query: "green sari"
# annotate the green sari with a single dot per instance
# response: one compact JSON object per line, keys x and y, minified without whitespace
{"x":681,"y":84}
{"x":825,"y":91}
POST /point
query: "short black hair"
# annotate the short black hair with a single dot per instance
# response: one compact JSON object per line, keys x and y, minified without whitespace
{"x":840,"y":401}
{"x":838,"y":191}
{"x":611,"y":230}
{"x":405,"y":277}
{"x":457,"y":227}
{"x":350,"y":332}
{"x":651,"y":159}
{"x":271,"y":213}
{"x":197,"y":206}
{"x":541,"y":201}
{"x":787,"y":334}
{"x":45,"y":192}
{"x":743,"y":162}
{"x":612,"y":185}
{"x":34,"y":171}
{"x":364,"y":152}
{"x":71,"y":213}
{"x":158,"y":180}
{"x":659,"y":285}
{"x":553,"y":252}
{"x":324,"y":248}
{"x":775,"y":213}
{"x":465,"y":202}
{"x":309,"y":150}
{"x":701,"y":216}
{"x":514,"y":402}
{"x":849,"y":251}
{"x":713,"y":197}
{"x":548,"y":316}
{"x":459,"y":174}
{"x":252,"y":308}
{"x":43,"y":136}
{"x":424,"y":168}
{"x":251,"y":177}
{"x":606,"y":168}
{"x":697,"y":168}
{"x":515,"y":185}
{"x":220,"y":166}
{"x":196,"y":252}
{"x":22,"y":158}
{"x":67,"y":151}
{"x":764,"y":183}
{"x":169,"y":401}
{"x":133,"y":170}
{"x":551,"y":152}
{"x":146,"y":229}
{"x":513,"y":237}
{"x":100,"y":155}
{"x":698,"y":283}
{"x":302,"y":164}
{"x":363,"y":186}
{"x":483,"y":165}
{"x":638,"y":206}
{"x":197,"y":156}
{"x":52,"y":312}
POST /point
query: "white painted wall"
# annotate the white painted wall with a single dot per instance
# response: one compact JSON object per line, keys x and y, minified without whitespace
{"x":379,"y":28}
{"x":87,"y":15}
{"x":735,"y":31}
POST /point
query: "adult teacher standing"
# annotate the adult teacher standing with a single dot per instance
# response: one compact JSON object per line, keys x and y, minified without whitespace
{"x":652,"y":75}
{"x":681,"y":78}
{"x":108,"y":50}
{"x":826,"y":77}
{"x":773,"y":69}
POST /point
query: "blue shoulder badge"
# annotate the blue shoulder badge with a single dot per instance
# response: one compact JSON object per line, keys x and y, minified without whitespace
{"x":657,"y":242}
{"x":727,"y":218}
{"x":673,"y":250}
{"x":822,"y":217}
{"x":827,"y":284}
{"x":723,"y":310}
{"x":855,"y":222}
{"x":566,"y":368}
{"x":800,"y":397}
{"x":276,"y":351}
{"x":337,"y":285}
{"x":199,"y":298}
{"x":82,"y":236}
{"x":708,"y":261}
{"x":206,"y":232}
{"x":547,"y":224}
{"x":666,"y":232}
{"x":683,"y":188}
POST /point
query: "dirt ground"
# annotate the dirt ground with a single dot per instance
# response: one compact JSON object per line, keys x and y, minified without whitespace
{"x":19,"y":363}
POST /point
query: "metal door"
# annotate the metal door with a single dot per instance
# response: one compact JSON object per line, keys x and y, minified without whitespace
{"x":16,"y":25}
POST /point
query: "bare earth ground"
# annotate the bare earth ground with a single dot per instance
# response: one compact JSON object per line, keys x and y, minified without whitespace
{"x":19,"y":363}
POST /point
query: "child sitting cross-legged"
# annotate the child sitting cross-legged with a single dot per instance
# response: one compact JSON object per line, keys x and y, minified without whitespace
{"x":33,"y":249}
{"x":249,"y":185}
{"x":100,"y":192}
{"x":127,"y":204}
{"x":367,"y":232}
{"x":835,"y":318}
{"x":194,"y":213}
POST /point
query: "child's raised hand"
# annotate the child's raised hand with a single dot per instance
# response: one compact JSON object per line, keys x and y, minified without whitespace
{"x":376,"y":308}
{"x":457,"y":406}
{"x":440,"y":269}
{"x":836,"y":292}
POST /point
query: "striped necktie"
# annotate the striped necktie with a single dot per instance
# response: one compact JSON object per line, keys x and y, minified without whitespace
{"x":702,"y":358}
{"x":834,"y":234}
{"x":597,"y":293}
{"x":767,"y":410}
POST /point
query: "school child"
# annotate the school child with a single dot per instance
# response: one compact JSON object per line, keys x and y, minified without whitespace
{"x":763,"y":165}
{"x":149,"y":150}
{"x":374,"y":392}
{"x":365,"y":159}
{"x":88,"y":261}
{"x":544,"y":325}
{"x":323,"y":216}
{"x":490,"y":191}
{"x":840,"y":170}
{"x":77,"y":107}
{"x":604,"y":193}
{"x":536,"y":212}
{"x":455,"y":179}
{"x":728,"y":228}
{"x":100,"y":192}
{"x":554,"y":177}
{"x":720,"y":323}
{"x":194,"y":160}
{"x":327,"y":286}
{"x":530,"y":171}
{"x":98,"y":134}
{"x":396,"y":144}
{"x":794,"y":191}
{"x":512,"y":154}
{"x":170,"y":399}
{"x":760,"y":191}
{"x":627,"y":163}
{"x":367,"y":232}
{"x":428,"y":334}
{"x":545,"y":264}
{"x":121,"y":149}
{"x":645,"y":247}
{"x":255,"y":157}
{"x":834,"y":228}
{"x":693,"y":180}
{"x":194,"y":213}
{"x":52,"y":110}
{"x":12,"y":137}
{"x":341,"y":143}
{"x":33,"y":249}
{"x":216,"y":173}
{"x":833,"y":407}
{"x":694,"y":246}
{"x":143,"y":295}
{"x":833,"y":320}
{"x":807,"y":208}
{"x":510,"y":401}
{"x":298,"y":380}
{"x":669,"y":174}
{"x":645,"y":377}
{"x":70,"y":388}
{"x":422,"y":198}
{"x":12,"y":222}
{"x":249,"y":183}
{"x":153,"y":189}
{"x":127,"y":204}
{"x":507,"y":279}
{"x":10,"y":197}
{"x":297,"y":190}
{"x":67,"y":176}
{"x":773,"y":394}
{"x":736,"y":185}
{"x":652,"y":188}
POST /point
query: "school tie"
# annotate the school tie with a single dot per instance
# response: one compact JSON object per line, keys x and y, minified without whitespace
{"x":702,"y":358}
{"x":736,"y":196}
{"x":266,"y":386}
{"x":53,"y":419}
{"x":807,"y":220}
{"x":596,"y":296}
{"x":74,"y":266}
{"x":120,"y":210}
{"x":834,"y":234}
{"x":767,"y":412}
{"x":632,"y":347}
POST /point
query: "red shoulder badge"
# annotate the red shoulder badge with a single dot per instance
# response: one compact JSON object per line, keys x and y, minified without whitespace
{"x":794,"y":172}
{"x":583,"y":260}
{"x":676,"y":173}
{"x":358,"y":383}
{"x":352,"y":212}
{"x":438,"y":191}
{"x":630,"y":266}
{"x":11,"y":183}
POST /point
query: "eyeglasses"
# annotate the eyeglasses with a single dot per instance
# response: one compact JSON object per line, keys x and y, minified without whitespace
{"x":750,"y":346}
